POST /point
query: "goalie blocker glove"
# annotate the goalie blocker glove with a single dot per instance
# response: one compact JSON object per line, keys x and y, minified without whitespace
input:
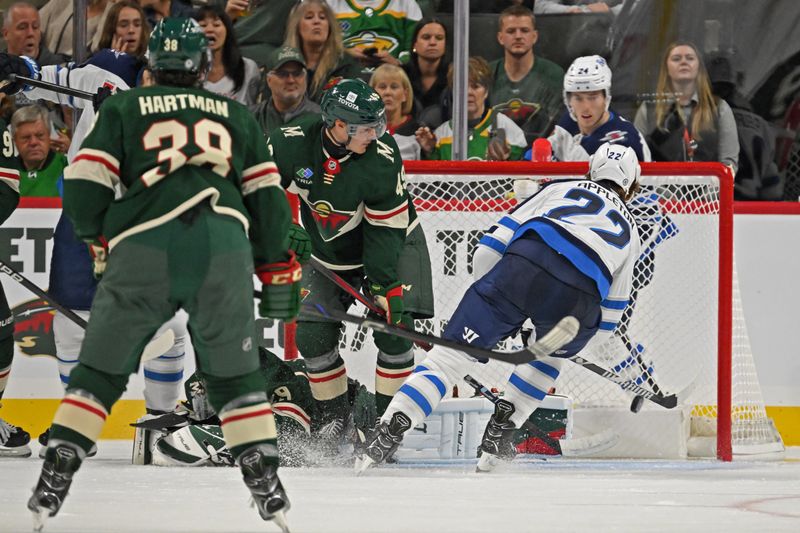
{"x":280,"y":291}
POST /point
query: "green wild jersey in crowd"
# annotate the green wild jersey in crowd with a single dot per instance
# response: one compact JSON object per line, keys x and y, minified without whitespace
{"x":356,"y":210}
{"x":168,"y":149}
{"x":381,"y":24}
{"x":9,"y":174}
{"x":534,"y":102}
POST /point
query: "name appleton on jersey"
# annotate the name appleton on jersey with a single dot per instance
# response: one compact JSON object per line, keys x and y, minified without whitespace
{"x":610,"y":196}
{"x":173,"y":102}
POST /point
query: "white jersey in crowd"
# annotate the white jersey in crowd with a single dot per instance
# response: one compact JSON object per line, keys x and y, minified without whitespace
{"x":569,"y":144}
{"x":588,"y":224}
{"x":87,"y":78}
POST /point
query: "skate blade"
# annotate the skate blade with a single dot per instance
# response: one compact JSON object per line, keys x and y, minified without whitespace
{"x":280,"y":520}
{"x":39,"y":518}
{"x":486,"y":463}
{"x":19,"y":451}
{"x":363,"y":464}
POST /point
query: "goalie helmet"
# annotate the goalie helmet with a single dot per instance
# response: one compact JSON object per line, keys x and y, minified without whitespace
{"x":178,"y":45}
{"x":616,"y":163}
{"x":586,"y":74}
{"x":356,"y":104}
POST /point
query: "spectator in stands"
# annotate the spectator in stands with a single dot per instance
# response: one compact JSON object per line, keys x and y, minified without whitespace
{"x":589,"y":122}
{"x":58,"y":21}
{"x":23,"y":34}
{"x":42,"y":166}
{"x":757,"y":177}
{"x":231,"y":74}
{"x":377,"y":31}
{"x":312,"y":30}
{"x":482,"y":6}
{"x":427,"y":70}
{"x":287,"y":79}
{"x":492,"y":135}
{"x":392,"y":83}
{"x":263,"y":28}
{"x":526,"y":88}
{"x":687,"y":122}
{"x":125,"y":29}
{"x":553,"y":7}
{"x":155,"y":10}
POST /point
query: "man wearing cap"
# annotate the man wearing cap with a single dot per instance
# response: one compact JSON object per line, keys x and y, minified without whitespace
{"x":287,"y":81}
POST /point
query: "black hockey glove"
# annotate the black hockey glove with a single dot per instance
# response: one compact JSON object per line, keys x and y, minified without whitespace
{"x":19,"y":65}
{"x":100,"y":96}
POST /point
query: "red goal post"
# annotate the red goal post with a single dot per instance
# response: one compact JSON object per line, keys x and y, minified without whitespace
{"x":427,"y":201}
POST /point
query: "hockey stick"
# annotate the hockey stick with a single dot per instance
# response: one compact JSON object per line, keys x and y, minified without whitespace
{"x":355,"y":293}
{"x":155,"y":348}
{"x":165,"y":421}
{"x":566,"y":447}
{"x":561,"y":334}
{"x":668,"y":402}
{"x":69,"y":91}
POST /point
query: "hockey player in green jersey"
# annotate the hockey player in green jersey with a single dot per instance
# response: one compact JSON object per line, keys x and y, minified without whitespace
{"x":197,"y":179}
{"x":361,"y":222}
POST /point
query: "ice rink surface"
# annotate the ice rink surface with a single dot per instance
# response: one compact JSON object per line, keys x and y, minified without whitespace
{"x":111,"y":495}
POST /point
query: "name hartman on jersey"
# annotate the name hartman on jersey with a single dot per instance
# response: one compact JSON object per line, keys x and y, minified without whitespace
{"x":167,"y":103}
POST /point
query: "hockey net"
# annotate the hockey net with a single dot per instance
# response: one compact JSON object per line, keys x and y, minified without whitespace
{"x":684,"y":332}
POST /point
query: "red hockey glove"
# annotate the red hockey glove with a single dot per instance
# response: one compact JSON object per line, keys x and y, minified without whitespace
{"x":390,"y":299}
{"x":280,"y":291}
{"x":98,"y":249}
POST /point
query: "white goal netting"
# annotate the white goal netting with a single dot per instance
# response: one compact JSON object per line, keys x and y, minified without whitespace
{"x":668,"y":340}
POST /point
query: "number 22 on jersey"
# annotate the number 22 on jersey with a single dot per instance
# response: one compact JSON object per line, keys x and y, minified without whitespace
{"x":618,"y":233}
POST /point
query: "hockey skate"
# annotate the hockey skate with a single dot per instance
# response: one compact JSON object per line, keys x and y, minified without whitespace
{"x":383,"y":441}
{"x":261,"y":477}
{"x":13,"y":441}
{"x":497,"y":443}
{"x":56,"y":477}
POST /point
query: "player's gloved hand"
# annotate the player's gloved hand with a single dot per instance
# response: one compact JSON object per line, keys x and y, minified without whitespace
{"x":524,"y":189}
{"x":100,"y":96}
{"x":390,"y":299}
{"x":19,"y":65}
{"x":197,"y":398}
{"x":280,"y":291}
{"x":98,"y":249}
{"x":299,"y":242}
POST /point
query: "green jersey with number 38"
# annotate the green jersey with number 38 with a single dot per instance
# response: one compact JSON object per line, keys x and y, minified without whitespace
{"x":168,"y":149}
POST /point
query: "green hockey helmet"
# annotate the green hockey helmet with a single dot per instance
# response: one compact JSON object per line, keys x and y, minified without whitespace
{"x":178,"y":45}
{"x":356,"y":104}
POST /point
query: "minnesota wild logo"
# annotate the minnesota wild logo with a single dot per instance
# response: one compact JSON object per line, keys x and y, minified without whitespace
{"x":329,"y":221}
{"x":369,"y":39}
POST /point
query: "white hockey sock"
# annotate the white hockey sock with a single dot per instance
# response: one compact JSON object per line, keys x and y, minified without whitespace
{"x":68,"y":336}
{"x":528,"y":386}
{"x":163,"y":377}
{"x":431,"y":380}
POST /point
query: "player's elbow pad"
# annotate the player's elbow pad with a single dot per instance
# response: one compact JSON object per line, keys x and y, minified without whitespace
{"x":483,"y":261}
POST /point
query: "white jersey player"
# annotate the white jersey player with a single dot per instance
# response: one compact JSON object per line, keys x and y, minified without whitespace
{"x":569,"y":250}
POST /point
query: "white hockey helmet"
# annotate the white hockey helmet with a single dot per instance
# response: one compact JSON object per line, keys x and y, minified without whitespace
{"x":616,"y":163}
{"x":585,"y":74}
